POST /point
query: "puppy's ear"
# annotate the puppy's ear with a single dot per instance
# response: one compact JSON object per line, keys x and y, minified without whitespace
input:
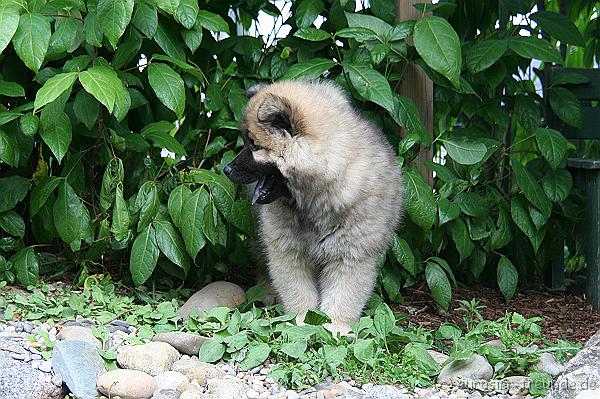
{"x":250,"y":92}
{"x":277,"y":112}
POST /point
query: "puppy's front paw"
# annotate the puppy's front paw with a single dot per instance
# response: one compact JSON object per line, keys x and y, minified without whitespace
{"x":341,"y":328}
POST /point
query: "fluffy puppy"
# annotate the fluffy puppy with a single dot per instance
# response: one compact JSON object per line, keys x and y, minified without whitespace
{"x":328,"y":194}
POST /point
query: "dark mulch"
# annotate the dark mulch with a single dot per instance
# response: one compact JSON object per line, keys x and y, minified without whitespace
{"x":566,"y":316}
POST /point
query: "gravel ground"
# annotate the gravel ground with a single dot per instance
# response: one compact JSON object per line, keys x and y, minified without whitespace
{"x":28,"y":346}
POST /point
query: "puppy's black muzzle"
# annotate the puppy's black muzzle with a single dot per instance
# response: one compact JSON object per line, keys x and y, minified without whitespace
{"x":243,"y":169}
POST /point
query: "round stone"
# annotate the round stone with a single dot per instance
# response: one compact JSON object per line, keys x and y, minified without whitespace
{"x":78,"y":333}
{"x":128,"y":384}
{"x":169,"y":380}
{"x":152,"y":358}
{"x":184,"y":342}
{"x":219,"y":293}
{"x":197,"y":370}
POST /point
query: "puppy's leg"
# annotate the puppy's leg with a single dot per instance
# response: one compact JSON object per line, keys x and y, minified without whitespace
{"x":345,"y":289}
{"x":294,"y":281}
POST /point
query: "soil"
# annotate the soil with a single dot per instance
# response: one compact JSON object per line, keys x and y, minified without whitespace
{"x":566,"y":316}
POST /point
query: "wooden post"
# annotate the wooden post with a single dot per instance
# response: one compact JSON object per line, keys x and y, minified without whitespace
{"x":417,"y":86}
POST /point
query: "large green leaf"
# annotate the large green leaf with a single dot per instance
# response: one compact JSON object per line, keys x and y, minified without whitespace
{"x":256,"y":355}
{"x":522,"y":218}
{"x":147,"y":202}
{"x":144,"y":256}
{"x":460,"y":236}
{"x":192,"y":217}
{"x":420,"y":204}
{"x":371,"y":85}
{"x":532,"y":47}
{"x":13,"y":189}
{"x":312,"y":34}
{"x":473,"y":204}
{"x":54,"y":87}
{"x":41,"y":192}
{"x":86,"y":108}
{"x":447,"y":210}
{"x":168,"y":86}
{"x":381,"y":28}
{"x":171,"y":244}
{"x":566,"y":106}
{"x":531,"y":188}
{"x":404,"y":255}
{"x":552,"y":144}
{"x":438,"y":283}
{"x":176,"y":202}
{"x":103,"y":83}
{"x":508,"y":278}
{"x":407,"y":115}
{"x":9,"y":21}
{"x":31,"y":39}
{"x":484,"y":54}
{"x":559,"y":27}
{"x":307,"y":12}
{"x":438,"y":44}
{"x":113,"y":17}
{"x":120,"y":217}
{"x":503,"y":235}
{"x":186,"y":13}
{"x":465,"y":151}
{"x":310,"y":69}
{"x":69,"y":216}
{"x":92,"y":30}
{"x":557,"y":184}
{"x":158,"y":133}
{"x":7,"y":149}
{"x":211,"y":21}
{"x":12,"y":223}
{"x":56,"y":132}
{"x":145,"y":18}
{"x":11,"y":89}
{"x":26,"y":265}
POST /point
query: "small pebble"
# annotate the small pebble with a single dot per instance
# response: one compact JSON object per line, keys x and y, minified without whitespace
{"x":252,"y":394}
{"x":46,"y":366}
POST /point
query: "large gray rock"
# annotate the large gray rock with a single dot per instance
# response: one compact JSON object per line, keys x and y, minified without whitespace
{"x":21,"y":381}
{"x":184,"y":342}
{"x":127,"y":384}
{"x":582,"y":373}
{"x":152,"y":358}
{"x":219,"y":293}
{"x":477,"y":367}
{"x":79,"y":365}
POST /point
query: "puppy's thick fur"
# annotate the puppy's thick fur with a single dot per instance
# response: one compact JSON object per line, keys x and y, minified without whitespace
{"x":329,"y":195}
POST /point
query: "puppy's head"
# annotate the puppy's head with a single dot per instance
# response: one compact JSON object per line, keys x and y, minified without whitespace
{"x":269,"y":126}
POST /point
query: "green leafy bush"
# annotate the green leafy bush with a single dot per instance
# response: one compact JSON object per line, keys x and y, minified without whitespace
{"x":84,"y":120}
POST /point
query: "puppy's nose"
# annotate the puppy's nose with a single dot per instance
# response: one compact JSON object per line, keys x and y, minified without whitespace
{"x":227,"y":170}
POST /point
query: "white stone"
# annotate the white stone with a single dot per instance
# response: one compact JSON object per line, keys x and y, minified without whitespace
{"x":169,"y":380}
{"x":78,"y":333}
{"x":197,"y":370}
{"x":128,"y":384}
{"x":219,"y":293}
{"x":152,"y":358}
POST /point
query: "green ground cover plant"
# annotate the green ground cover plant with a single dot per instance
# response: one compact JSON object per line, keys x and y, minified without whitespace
{"x":381,"y":350}
{"x":84,"y":119}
